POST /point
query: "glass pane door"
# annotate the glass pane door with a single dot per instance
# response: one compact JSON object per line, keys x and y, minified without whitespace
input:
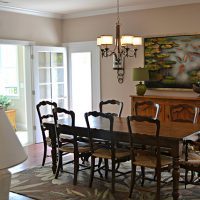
{"x":50,"y":78}
{"x":84,"y":77}
{"x":81,"y":83}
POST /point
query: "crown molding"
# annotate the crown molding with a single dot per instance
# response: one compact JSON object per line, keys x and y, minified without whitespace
{"x":127,"y":9}
{"x":30,"y":12}
{"x":93,"y":13}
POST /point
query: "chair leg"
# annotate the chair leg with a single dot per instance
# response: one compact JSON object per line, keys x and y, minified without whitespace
{"x":92,"y":170}
{"x":186,"y":178}
{"x":158,"y":174}
{"x":192,"y":176}
{"x":99,"y":162}
{"x":106,"y":168}
{"x":76,"y":168}
{"x":133,"y":175}
{"x":154,"y":178}
{"x":143,"y":175}
{"x":45,"y":154}
{"x":113,"y":175}
{"x":118,"y":165}
{"x":61,"y":164}
{"x":58,"y":164}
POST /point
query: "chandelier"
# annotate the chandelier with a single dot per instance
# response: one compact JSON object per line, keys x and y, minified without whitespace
{"x":125,"y":46}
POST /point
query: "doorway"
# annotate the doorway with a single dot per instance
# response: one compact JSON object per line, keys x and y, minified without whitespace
{"x":84,"y":77}
{"x":14,"y":65}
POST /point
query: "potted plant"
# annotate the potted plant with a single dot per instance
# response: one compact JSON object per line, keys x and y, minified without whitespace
{"x":4,"y":102}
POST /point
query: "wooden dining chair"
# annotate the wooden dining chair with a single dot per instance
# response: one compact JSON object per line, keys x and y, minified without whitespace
{"x":44,"y":110}
{"x":146,"y":158}
{"x":185,"y":113}
{"x":107,"y":151}
{"x":147,"y":109}
{"x":113,"y":106}
{"x":192,"y":161}
{"x":68,"y":141}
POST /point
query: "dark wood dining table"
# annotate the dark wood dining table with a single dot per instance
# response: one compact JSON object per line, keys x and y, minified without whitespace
{"x":172,"y":135}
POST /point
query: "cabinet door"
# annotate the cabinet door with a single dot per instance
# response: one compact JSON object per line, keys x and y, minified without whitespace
{"x":50,"y":78}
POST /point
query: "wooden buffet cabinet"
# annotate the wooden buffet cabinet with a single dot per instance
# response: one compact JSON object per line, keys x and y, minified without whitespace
{"x":165,"y":102}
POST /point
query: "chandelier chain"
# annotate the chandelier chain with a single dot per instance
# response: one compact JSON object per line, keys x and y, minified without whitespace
{"x":118,"y":11}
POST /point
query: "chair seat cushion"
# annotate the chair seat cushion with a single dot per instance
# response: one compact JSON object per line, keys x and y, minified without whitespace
{"x":66,"y":137}
{"x":194,"y":156}
{"x":69,"y":147}
{"x":148,"y":159}
{"x":106,"y":153}
{"x":193,"y":165}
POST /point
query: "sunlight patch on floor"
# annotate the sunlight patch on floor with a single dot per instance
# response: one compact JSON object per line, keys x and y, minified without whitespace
{"x":23,"y":137}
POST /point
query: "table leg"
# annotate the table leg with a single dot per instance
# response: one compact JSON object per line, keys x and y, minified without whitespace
{"x":54,"y":158}
{"x":53,"y":148}
{"x":176,"y":175}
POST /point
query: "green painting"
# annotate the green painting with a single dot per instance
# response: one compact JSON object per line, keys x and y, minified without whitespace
{"x":172,"y":61}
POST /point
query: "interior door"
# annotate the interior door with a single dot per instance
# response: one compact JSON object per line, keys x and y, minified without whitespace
{"x":84,"y":77}
{"x":50,"y":79}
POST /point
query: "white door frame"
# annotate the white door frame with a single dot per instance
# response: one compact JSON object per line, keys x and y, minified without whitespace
{"x":93,"y":48}
{"x":28,"y":83}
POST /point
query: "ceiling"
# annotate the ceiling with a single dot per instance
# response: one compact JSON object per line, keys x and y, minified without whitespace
{"x":80,"y":8}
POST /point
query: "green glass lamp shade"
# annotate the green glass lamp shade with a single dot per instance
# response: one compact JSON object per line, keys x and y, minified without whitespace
{"x":140,"y":74}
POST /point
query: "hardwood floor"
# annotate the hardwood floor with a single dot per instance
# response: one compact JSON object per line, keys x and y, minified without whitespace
{"x":35,"y":155}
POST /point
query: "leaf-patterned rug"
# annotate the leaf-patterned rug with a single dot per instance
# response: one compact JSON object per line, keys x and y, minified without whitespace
{"x":39,"y":183}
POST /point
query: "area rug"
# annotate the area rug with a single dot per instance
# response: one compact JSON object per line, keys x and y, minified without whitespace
{"x":39,"y":183}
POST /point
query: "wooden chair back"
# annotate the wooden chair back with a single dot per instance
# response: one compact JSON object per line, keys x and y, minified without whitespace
{"x":70,"y":136}
{"x":143,"y":121}
{"x":113,"y":102}
{"x":44,"y":110}
{"x":147,"y":109}
{"x":108,"y":120}
{"x":184,"y":113}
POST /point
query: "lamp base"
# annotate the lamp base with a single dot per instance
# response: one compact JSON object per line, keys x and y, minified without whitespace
{"x":141,"y":89}
{"x":5,"y":179}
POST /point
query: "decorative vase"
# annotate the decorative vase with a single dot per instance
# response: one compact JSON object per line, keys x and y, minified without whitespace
{"x":141,"y":89}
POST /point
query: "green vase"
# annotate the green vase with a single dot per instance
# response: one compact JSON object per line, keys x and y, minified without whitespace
{"x":141,"y":89}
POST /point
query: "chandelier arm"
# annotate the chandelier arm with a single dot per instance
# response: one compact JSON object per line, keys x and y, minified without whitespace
{"x":106,"y":52}
{"x":129,"y":52}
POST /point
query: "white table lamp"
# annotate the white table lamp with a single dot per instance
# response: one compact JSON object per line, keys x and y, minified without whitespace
{"x":11,"y":154}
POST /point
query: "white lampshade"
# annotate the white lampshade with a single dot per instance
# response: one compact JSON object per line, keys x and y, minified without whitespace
{"x":137,"y":41}
{"x":11,"y":154}
{"x":126,"y":40}
{"x":106,"y":40}
{"x":98,"y":41}
{"x":11,"y":150}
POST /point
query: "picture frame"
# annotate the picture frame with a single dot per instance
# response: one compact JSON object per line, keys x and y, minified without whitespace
{"x":172,"y":61}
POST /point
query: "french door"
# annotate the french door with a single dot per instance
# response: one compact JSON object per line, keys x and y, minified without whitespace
{"x":84,"y":77}
{"x":50,"y":79}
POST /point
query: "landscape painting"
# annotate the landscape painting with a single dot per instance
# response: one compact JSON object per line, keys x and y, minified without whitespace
{"x":172,"y":61}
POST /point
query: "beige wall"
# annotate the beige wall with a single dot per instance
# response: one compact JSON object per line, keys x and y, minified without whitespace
{"x":42,"y":30}
{"x":153,"y":22}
